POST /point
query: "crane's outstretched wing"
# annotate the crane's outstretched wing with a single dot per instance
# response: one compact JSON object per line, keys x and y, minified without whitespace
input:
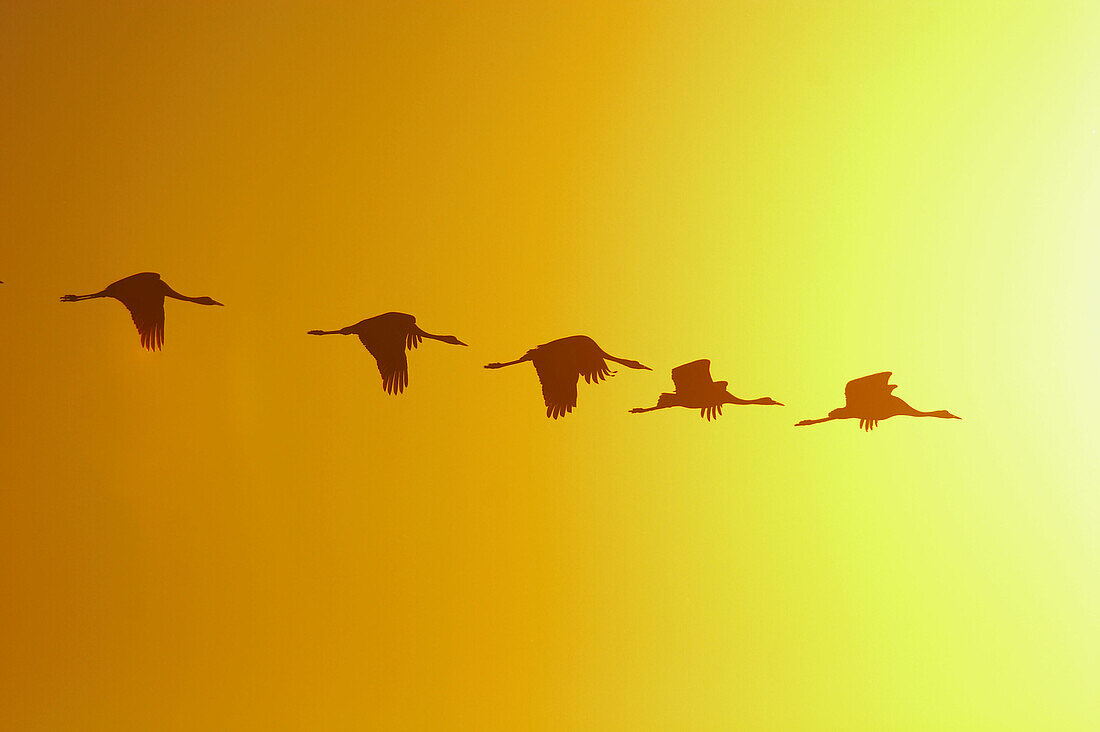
{"x":559,"y":388}
{"x":692,"y":376}
{"x":392,"y":364}
{"x":407,"y":323}
{"x":147,"y":312}
{"x":587,"y":358}
{"x":594,"y":370}
{"x":868,"y":388}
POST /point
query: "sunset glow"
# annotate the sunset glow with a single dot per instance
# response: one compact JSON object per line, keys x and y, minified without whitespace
{"x":243,"y":531}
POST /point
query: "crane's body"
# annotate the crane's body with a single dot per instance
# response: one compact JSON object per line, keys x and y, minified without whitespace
{"x":143,"y":295}
{"x":696,"y":390}
{"x":559,"y":365}
{"x":870,"y":399}
{"x":387,"y":336}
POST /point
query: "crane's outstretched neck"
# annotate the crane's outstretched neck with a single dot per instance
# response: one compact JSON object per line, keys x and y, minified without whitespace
{"x":443,"y":338}
{"x":627,"y":362}
{"x":761,"y":400}
{"x":204,"y":300}
{"x":941,"y":413}
{"x":904,"y":408}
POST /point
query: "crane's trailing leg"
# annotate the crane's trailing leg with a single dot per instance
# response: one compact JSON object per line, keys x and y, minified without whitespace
{"x":509,"y":363}
{"x":639,"y":410}
{"x":664,"y":401}
{"x":805,"y":422}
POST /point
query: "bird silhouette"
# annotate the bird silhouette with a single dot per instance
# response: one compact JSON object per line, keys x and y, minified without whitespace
{"x":559,"y":364}
{"x":696,"y":390}
{"x":870,"y":400}
{"x":387,"y":336}
{"x":143,"y":295}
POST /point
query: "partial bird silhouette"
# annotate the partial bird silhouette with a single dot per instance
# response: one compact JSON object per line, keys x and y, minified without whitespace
{"x":143,"y":295}
{"x":696,"y":390}
{"x":559,"y":364}
{"x":869,"y":399}
{"x":387,"y":336}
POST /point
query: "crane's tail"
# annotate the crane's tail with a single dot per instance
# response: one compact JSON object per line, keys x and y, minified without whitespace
{"x":664,"y":401}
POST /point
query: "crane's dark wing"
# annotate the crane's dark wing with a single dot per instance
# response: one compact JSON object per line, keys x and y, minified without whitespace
{"x":596,"y":373}
{"x":559,"y":388}
{"x":148,"y":280}
{"x":868,"y":389}
{"x":591,"y":365}
{"x":404,"y":324}
{"x":392,"y":364}
{"x":692,"y":376}
{"x":147,"y":311}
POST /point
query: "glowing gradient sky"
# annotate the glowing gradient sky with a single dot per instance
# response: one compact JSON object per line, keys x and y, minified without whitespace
{"x":244,"y":532}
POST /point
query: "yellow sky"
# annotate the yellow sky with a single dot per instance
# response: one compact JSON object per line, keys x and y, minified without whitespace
{"x":244,"y":532}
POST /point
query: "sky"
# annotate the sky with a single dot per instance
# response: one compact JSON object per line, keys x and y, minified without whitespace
{"x":243,"y":531}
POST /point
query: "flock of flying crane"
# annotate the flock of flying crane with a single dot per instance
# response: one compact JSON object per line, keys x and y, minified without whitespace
{"x":559,"y":363}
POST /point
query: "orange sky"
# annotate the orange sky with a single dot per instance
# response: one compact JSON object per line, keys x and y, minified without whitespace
{"x":244,"y":532}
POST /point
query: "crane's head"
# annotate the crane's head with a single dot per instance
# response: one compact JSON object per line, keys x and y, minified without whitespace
{"x":206,"y":301}
{"x":769,"y":400}
{"x":452,"y":340}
